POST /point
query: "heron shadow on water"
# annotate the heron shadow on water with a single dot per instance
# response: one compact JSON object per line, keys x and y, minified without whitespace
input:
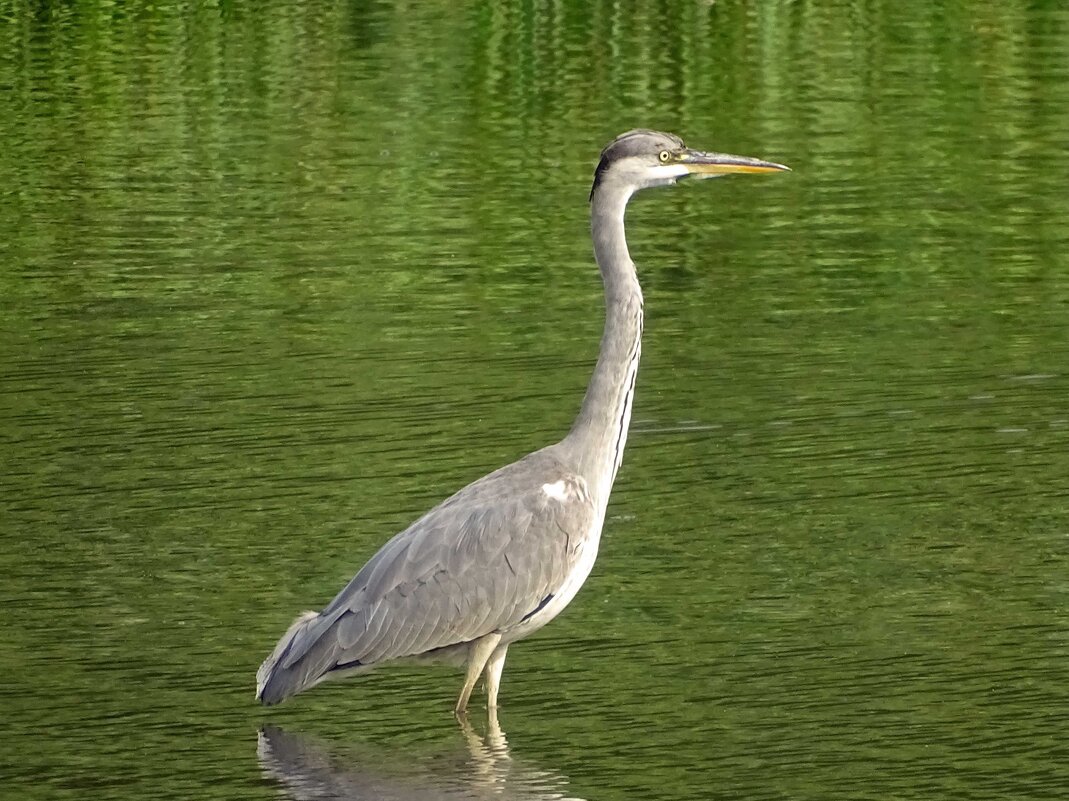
{"x":483,"y":767}
{"x":502,"y":557}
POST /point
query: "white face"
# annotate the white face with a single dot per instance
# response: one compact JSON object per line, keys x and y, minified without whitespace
{"x":664,"y":174}
{"x":642,"y":172}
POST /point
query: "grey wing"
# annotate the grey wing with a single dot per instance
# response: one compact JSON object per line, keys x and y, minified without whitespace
{"x":480,"y":562}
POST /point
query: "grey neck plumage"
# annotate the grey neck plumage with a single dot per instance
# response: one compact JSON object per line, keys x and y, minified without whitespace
{"x":598,"y":435}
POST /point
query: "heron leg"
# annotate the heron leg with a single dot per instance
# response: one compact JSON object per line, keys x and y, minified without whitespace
{"x":494,"y":665}
{"x":480,"y":652}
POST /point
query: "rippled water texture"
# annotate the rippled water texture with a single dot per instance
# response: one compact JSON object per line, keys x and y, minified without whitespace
{"x":275,"y":280}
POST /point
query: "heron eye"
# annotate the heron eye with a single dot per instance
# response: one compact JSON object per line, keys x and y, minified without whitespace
{"x":664,"y":156}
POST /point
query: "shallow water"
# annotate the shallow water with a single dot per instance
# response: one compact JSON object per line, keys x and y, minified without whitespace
{"x":276,"y":281}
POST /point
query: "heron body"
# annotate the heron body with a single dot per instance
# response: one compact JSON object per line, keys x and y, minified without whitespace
{"x":507,"y":553}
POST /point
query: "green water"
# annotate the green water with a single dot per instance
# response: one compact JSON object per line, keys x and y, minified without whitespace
{"x":275,"y":280}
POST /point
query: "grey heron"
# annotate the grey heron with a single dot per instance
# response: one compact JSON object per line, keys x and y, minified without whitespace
{"x":503,"y":556}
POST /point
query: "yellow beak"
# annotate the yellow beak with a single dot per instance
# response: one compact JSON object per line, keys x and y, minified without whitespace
{"x":698,"y":163}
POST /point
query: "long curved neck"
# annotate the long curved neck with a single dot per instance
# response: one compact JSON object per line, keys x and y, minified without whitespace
{"x":600,"y":431}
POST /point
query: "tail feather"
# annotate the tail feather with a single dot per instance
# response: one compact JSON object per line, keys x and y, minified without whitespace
{"x":275,"y":681}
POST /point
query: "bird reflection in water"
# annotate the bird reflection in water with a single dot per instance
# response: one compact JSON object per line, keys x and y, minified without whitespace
{"x":482,"y":767}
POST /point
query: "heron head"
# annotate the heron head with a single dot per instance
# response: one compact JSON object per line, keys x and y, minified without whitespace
{"x":641,"y":159}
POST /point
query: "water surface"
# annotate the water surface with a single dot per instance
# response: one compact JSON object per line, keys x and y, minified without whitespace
{"x":275,"y":281}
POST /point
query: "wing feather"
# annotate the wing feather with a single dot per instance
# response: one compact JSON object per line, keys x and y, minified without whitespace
{"x":477,"y":563}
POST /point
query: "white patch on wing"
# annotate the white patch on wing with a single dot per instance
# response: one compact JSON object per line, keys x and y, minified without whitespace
{"x":558,"y":490}
{"x":569,"y":488}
